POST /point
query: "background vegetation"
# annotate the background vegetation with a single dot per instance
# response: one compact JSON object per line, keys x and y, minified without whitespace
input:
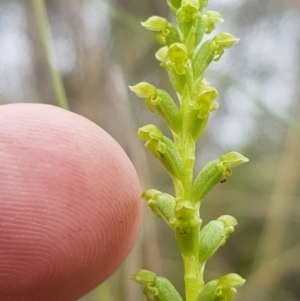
{"x":100,"y":48}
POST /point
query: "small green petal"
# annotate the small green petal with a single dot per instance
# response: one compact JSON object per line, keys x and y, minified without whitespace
{"x":149,"y":132}
{"x":229,"y":160}
{"x":143,"y":277}
{"x":143,"y":90}
{"x":225,"y":40}
{"x":233,"y":159}
{"x":156,"y":23}
{"x":212,"y":18}
{"x":162,"y":54}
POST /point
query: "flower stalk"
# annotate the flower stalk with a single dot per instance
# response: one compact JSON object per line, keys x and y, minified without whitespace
{"x":186,"y":58}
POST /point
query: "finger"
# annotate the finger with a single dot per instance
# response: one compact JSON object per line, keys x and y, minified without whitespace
{"x":69,"y":204}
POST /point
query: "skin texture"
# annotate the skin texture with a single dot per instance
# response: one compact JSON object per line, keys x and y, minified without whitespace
{"x":70,"y":204}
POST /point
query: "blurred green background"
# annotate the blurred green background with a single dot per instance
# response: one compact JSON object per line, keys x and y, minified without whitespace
{"x":100,"y":48}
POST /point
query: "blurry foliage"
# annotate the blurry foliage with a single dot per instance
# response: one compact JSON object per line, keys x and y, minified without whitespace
{"x":100,"y":49}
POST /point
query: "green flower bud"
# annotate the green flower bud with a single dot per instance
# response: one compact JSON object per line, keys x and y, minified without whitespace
{"x":156,"y":288}
{"x":153,"y":136}
{"x":178,"y":58}
{"x":229,"y":222}
{"x":147,"y":279}
{"x":212,"y":174}
{"x":225,"y":290}
{"x":222,"y":41}
{"x":159,"y":101}
{"x":143,"y":90}
{"x":156,"y":23}
{"x":212,"y":18}
{"x":144,"y":277}
{"x":221,"y":289}
{"x":163,"y":149}
{"x":177,"y":81}
{"x":186,"y":215}
{"x":214,"y":235}
{"x":186,"y":224}
{"x":231,"y":159}
{"x":205,"y":102}
{"x":211,"y":50}
{"x":162,"y":204}
{"x":188,"y":11}
{"x":166,"y":32}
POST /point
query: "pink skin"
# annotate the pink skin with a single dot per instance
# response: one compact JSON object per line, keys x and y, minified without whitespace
{"x":70,"y":204}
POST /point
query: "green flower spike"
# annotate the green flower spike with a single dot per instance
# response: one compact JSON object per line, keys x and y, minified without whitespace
{"x":214,"y":235}
{"x":186,"y":58}
{"x":163,"y":149}
{"x":212,"y":18}
{"x":162,"y":204}
{"x":213,"y":172}
{"x":159,"y":101}
{"x":221,"y":289}
{"x":156,"y":288}
{"x":166,"y":33}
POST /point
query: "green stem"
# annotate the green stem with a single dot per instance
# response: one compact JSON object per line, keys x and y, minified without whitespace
{"x":45,"y":35}
{"x":193,"y":277}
